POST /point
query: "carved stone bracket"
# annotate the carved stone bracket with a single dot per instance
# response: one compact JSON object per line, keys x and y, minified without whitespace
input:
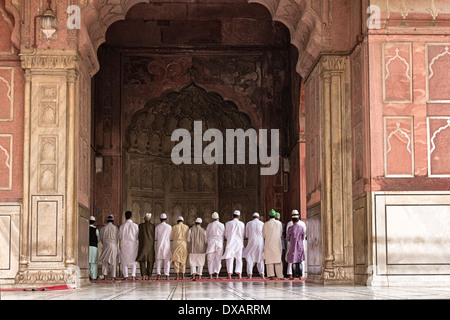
{"x":334,"y":63}
{"x":54,"y":62}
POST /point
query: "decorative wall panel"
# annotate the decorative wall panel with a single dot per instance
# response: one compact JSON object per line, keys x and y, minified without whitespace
{"x":6,"y":93}
{"x":397,"y":72}
{"x":438,"y":150}
{"x":48,"y":119}
{"x":438,"y":64}
{"x":47,"y":163}
{"x":399,"y":147}
{"x":47,"y":228}
{"x":9,"y":240}
{"x":412,"y":232}
{"x":6,"y":161}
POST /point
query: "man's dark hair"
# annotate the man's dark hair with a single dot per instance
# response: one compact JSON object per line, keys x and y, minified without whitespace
{"x":295,"y":219}
{"x":128,"y":214}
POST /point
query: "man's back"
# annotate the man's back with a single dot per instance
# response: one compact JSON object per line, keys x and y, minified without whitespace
{"x":179,"y":232}
{"x":146,"y":240}
{"x":253,"y":229}
{"x":197,"y":240}
{"x":146,"y":231}
{"x":215,"y":230}
{"x":272,"y":231}
{"x":214,"y":236}
{"x":129,"y":231}
{"x":234,"y":230}
{"x":163,"y":233}
{"x":109,"y":233}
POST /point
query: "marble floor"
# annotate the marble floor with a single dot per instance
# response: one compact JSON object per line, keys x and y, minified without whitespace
{"x":228,"y":290}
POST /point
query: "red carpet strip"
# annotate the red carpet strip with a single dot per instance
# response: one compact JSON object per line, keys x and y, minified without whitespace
{"x":62,"y":287}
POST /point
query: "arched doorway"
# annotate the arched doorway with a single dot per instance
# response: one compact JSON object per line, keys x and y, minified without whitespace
{"x":230,"y":69}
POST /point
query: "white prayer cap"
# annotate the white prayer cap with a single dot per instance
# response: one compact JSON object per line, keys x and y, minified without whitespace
{"x":180,"y":218}
{"x":215,"y":215}
{"x":256,"y":215}
{"x":198,"y":220}
{"x":295,"y":216}
{"x":294,"y":212}
{"x":237,"y":213}
{"x":91,"y":218}
{"x":148,"y":215}
{"x":163,"y":216}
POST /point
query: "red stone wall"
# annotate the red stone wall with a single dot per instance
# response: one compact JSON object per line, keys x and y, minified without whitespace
{"x":11,"y":113}
{"x":409,"y":112}
{"x":360,"y":121}
{"x":313,"y":139}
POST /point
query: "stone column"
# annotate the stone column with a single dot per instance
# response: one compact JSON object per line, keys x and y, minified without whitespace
{"x":71,"y":194}
{"x":336,"y":191}
{"x":49,"y":215}
{"x":24,"y":256}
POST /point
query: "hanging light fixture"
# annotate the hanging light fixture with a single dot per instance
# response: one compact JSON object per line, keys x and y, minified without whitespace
{"x":48,"y":21}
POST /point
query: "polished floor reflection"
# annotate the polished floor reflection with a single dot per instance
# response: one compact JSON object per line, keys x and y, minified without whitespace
{"x":228,"y":290}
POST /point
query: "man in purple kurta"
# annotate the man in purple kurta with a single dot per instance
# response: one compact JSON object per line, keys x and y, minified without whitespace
{"x":296,"y":252}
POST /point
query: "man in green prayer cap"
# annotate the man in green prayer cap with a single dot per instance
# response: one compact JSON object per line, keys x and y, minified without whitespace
{"x":272,"y":231}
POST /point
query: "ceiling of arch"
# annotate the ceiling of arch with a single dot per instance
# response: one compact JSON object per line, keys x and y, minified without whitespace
{"x":234,"y":23}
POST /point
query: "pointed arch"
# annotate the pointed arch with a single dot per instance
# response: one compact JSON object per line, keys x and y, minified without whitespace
{"x":298,"y":16}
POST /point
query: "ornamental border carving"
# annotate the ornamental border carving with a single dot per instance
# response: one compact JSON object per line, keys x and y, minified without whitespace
{"x":50,"y":62}
{"x":334,"y":63}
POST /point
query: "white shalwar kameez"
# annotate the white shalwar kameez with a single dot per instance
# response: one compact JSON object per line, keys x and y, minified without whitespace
{"x":255,"y":246}
{"x":234,"y":233}
{"x":214,"y":237}
{"x":163,"y":253}
{"x":109,"y":236}
{"x":128,"y":235}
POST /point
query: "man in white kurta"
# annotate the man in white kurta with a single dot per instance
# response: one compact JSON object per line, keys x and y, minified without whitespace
{"x":109,"y":236}
{"x":128,"y":235}
{"x":234,"y":233}
{"x":272,"y":252}
{"x":163,"y":253}
{"x":214,"y":237}
{"x":288,"y":225}
{"x":255,"y":245}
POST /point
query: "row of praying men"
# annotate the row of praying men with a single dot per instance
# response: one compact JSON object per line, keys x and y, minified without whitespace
{"x":146,"y":243}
